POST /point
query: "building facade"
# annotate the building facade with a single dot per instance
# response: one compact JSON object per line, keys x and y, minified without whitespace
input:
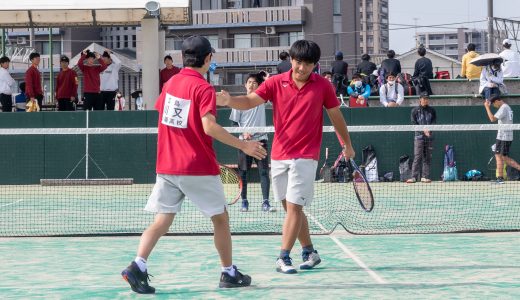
{"x":374,"y":34}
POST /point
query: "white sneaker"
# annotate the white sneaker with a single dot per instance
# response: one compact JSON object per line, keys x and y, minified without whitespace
{"x":285,"y":266}
{"x":310,"y":260}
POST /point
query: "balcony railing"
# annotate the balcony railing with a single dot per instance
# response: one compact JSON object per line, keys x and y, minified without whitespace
{"x":248,"y":15}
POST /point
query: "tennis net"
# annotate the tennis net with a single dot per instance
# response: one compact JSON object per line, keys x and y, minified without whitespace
{"x":96,"y":181}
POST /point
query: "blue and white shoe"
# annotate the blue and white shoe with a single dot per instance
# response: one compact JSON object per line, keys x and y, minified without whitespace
{"x":245,"y":206}
{"x":310,"y":260}
{"x":284,"y":265}
{"x":499,"y":180}
{"x":266,"y":206}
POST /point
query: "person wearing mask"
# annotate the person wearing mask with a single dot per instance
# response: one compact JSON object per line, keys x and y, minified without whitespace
{"x":91,"y":79}
{"x":470,"y":71}
{"x":66,"y":86}
{"x":109,"y":80}
{"x":6,"y":85}
{"x":33,"y":83}
{"x":358,"y":92}
{"x":491,"y":78}
{"x":391,"y":65}
{"x":285,"y":64}
{"x":423,"y":114}
{"x":168,"y":71}
{"x":511,"y":64}
{"x":391,"y":94}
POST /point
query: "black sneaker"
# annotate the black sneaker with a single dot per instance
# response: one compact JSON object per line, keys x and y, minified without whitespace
{"x":138,"y":280}
{"x":240,"y":280}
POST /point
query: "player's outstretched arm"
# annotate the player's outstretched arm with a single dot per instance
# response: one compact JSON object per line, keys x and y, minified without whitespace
{"x":337,"y":120}
{"x":251,"y":148}
{"x":239,"y":102}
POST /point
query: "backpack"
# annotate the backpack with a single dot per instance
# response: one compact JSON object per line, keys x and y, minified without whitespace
{"x":442,"y":75}
{"x":473,"y":175}
{"x":381,"y":76}
{"x":512,"y":173}
{"x":370,"y":164}
{"x":405,"y":168}
{"x":450,"y":167}
{"x":405,"y":79}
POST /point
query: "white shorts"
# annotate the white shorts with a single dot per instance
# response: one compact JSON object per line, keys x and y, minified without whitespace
{"x":293,"y":180}
{"x":206,"y":192}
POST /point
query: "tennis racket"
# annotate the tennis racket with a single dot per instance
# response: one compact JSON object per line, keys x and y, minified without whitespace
{"x":232,"y":184}
{"x":362,"y":188}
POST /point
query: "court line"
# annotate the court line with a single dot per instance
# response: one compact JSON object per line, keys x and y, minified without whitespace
{"x":12,"y":203}
{"x":351,"y":254}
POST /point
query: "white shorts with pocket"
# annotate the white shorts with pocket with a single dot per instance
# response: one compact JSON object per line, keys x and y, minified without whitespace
{"x":293,"y":180}
{"x":206,"y":192}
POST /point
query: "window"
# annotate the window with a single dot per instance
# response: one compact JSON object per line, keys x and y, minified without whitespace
{"x":134,"y":41}
{"x":112,"y":46}
{"x":288,"y":38}
{"x":118,"y":42}
{"x":337,"y":8}
{"x":125,"y":28}
{"x":213,"y":40}
{"x":256,"y":40}
{"x":242,"y":40}
{"x":126,"y":42}
{"x":56,"y":48}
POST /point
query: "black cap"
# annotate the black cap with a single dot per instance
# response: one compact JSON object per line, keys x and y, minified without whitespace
{"x":64,"y":58}
{"x":90,"y":54}
{"x":424,"y":95}
{"x":494,"y":97}
{"x":197,"y":46}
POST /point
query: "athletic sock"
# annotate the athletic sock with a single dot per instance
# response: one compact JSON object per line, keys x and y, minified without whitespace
{"x":284,"y":253}
{"x":141,"y":263}
{"x":308,"y":249}
{"x":230,"y":270}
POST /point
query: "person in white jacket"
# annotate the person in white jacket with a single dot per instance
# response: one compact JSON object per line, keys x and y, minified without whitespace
{"x":6,"y":84}
{"x":110,"y":80}
{"x":511,"y":64}
{"x":391,"y":94}
{"x":491,"y":78}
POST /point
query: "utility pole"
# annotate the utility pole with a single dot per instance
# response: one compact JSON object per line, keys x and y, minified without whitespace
{"x":416,"y":37}
{"x":491,"y":35}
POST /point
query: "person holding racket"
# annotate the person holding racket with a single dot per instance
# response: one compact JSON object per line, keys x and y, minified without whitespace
{"x":298,"y":98}
{"x":254,"y":117}
{"x":187,"y":165}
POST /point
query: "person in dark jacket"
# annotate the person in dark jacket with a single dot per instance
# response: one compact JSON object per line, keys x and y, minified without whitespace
{"x":391,"y":65}
{"x":339,"y":73}
{"x":423,"y":114}
{"x":285,"y":64}
{"x":366,"y":66}
{"x":423,"y":72}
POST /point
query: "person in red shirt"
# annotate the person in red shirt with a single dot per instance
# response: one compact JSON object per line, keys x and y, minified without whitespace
{"x":187,"y":166}
{"x":66,"y":86}
{"x":33,"y":81}
{"x":91,"y":80}
{"x":168,"y":72}
{"x":298,"y":97}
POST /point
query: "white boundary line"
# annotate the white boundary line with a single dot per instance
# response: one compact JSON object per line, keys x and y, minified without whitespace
{"x":12,"y":203}
{"x":351,"y":254}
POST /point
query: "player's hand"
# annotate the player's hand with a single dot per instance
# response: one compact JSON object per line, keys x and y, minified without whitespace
{"x":427,"y":133}
{"x":348,"y":152}
{"x":98,"y":56}
{"x":487,"y":103}
{"x":223,"y":98}
{"x":254,"y":149}
{"x":72,"y":99}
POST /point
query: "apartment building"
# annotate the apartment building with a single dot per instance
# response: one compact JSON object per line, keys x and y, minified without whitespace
{"x":374,"y":34}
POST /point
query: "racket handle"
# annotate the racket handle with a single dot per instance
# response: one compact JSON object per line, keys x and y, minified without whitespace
{"x":326,"y":153}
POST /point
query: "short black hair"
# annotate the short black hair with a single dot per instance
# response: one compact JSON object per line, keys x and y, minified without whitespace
{"x":365,"y":57}
{"x":421,"y":51}
{"x":283,"y":55}
{"x":471,"y":47}
{"x":306,"y":51}
{"x":22,"y":86}
{"x":390,"y":54}
{"x":326,"y":73}
{"x":257,"y":77}
{"x":168,"y":57}
{"x":494,"y":97}
{"x":4,"y":59}
{"x":356,"y":76}
{"x":193,"y":61}
{"x":33,"y":55}
{"x":390,"y":74}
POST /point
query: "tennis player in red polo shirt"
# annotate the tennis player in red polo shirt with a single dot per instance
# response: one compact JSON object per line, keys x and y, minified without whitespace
{"x":187,"y":166}
{"x":298,"y":99}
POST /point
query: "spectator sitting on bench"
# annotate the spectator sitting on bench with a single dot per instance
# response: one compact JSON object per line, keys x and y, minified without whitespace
{"x":391,"y":94}
{"x":358,"y":92}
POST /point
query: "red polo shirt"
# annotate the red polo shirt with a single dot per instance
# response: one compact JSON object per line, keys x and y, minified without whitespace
{"x":66,"y":84}
{"x":165,"y":75}
{"x":33,"y":82}
{"x":297,"y":114}
{"x":183,"y":148}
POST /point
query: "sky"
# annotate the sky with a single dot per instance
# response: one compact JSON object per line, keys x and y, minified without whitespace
{"x":434,"y":12}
